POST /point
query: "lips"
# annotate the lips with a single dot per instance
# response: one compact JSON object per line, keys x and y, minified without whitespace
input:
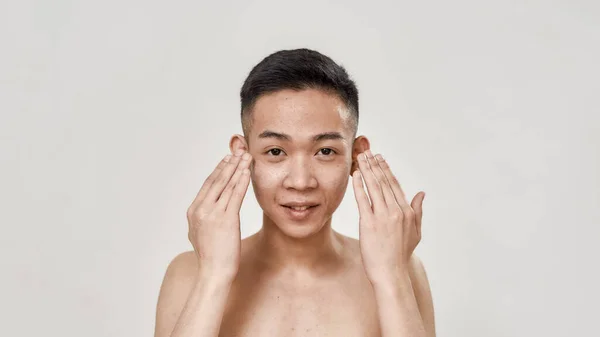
{"x":299,"y":212}
{"x":300,"y":206}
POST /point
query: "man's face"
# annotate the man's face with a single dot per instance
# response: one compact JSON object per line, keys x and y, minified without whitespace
{"x":301,"y":142}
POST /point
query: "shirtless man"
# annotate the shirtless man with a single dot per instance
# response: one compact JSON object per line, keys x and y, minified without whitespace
{"x":297,"y":276}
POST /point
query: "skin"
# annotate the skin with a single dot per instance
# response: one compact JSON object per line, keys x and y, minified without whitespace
{"x":299,"y":278}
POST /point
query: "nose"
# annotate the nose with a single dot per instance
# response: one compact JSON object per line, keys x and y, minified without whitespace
{"x":300,"y":175}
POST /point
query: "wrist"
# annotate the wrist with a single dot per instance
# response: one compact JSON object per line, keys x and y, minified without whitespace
{"x":393,"y":282}
{"x":217,"y":279}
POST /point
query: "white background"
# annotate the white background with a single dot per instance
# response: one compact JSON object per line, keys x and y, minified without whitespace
{"x":114,"y":112}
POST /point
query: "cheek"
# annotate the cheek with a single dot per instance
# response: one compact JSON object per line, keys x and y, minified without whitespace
{"x":265,"y":178}
{"x":335,"y":179}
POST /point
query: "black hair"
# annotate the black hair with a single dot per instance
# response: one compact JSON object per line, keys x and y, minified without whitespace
{"x":297,"y":69}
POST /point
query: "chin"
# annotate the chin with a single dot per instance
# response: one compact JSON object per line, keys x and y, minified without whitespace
{"x":299,"y":232}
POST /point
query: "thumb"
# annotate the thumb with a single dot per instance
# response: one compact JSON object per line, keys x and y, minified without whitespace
{"x":417,"y":206}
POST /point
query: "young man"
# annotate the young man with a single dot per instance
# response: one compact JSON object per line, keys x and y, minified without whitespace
{"x":297,"y":276}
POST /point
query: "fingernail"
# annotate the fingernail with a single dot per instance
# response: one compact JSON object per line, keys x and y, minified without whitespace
{"x":379,"y":157}
{"x":239,"y":152}
{"x":368,"y":153}
{"x":362,"y":156}
{"x":227,"y":157}
{"x":246,"y":156}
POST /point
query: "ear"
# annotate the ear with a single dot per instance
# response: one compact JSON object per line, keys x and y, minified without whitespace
{"x":361,"y":144}
{"x":238,"y":142}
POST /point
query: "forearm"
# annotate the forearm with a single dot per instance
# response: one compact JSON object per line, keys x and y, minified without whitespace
{"x":204,"y":309}
{"x":399,"y":314}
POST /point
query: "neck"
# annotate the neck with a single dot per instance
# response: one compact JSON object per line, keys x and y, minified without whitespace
{"x":319,"y":253}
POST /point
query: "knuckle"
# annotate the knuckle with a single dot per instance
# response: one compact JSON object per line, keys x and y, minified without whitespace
{"x":201,"y":214}
{"x":193,"y":211}
{"x":189,"y":214}
{"x":190,"y":210}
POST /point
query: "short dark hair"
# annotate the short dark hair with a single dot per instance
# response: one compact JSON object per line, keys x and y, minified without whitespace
{"x":297,"y":69}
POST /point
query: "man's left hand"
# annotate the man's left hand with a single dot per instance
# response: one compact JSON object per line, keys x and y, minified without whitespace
{"x":390,"y":228}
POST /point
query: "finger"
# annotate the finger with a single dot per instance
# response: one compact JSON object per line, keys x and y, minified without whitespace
{"x":364,"y":206}
{"x":226,"y":195}
{"x":209,"y":181}
{"x":239,"y":192}
{"x":386,"y":189}
{"x":373,"y":188}
{"x":417,"y":205}
{"x":394,"y":184}
{"x":215,"y":190}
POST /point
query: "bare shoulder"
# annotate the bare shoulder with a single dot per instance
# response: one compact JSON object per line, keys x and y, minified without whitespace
{"x":417,"y":269}
{"x":418,"y":278}
{"x":176,"y":285}
{"x":180,"y":274}
{"x":183,"y":267}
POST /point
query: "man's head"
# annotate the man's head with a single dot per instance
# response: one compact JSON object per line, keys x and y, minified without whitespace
{"x":297,"y":70}
{"x":300,"y":117}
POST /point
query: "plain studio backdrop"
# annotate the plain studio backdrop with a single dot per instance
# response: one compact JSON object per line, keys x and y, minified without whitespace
{"x":114,"y":113}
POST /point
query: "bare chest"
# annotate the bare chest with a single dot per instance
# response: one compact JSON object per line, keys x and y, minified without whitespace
{"x":336,"y":308}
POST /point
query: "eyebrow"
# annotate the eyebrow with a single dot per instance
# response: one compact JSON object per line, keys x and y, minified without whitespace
{"x":316,"y":138}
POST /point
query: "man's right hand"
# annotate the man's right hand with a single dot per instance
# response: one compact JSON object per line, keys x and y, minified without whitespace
{"x":214,"y":219}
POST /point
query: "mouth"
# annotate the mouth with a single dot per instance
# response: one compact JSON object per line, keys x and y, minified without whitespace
{"x":299,"y":212}
{"x":299,"y":208}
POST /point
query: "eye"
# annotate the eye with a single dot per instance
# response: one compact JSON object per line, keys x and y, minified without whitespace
{"x":326,"y":151}
{"x":275,"y":152}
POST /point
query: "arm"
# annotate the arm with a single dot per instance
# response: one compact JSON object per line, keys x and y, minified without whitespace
{"x":405,"y":304}
{"x":190,"y":304}
{"x":389,"y":231}
{"x":194,"y":292}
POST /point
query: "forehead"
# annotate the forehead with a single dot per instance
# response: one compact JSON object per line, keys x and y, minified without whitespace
{"x":301,"y":114}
